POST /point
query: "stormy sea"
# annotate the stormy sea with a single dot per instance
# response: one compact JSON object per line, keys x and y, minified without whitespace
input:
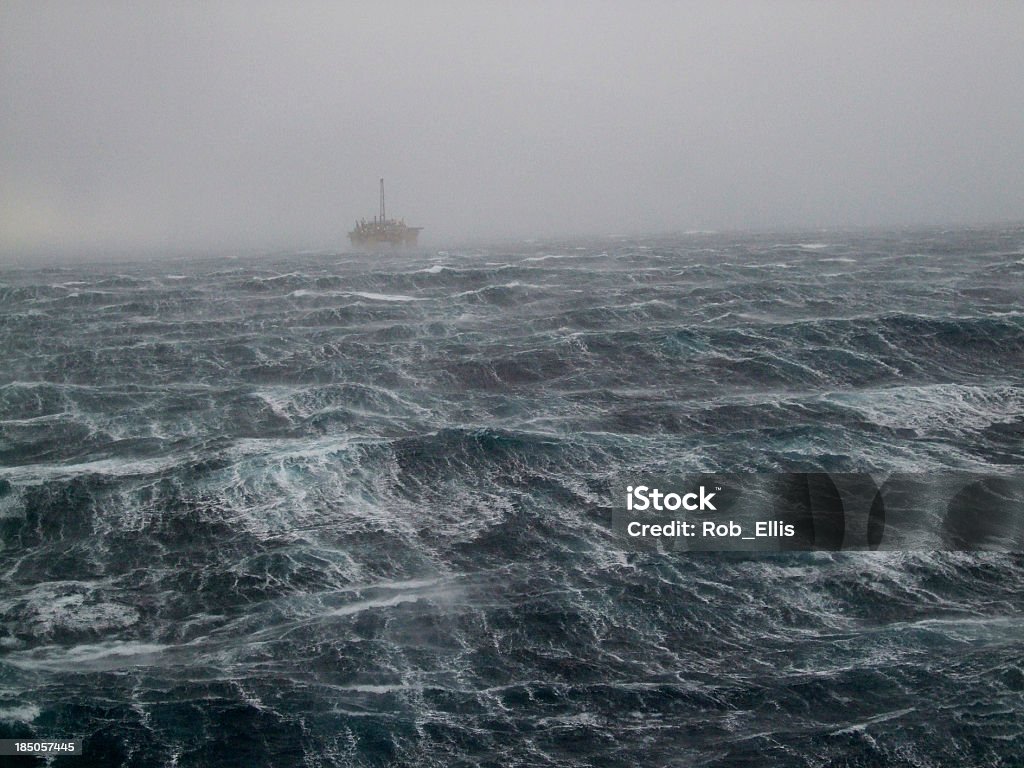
{"x":354,"y":509}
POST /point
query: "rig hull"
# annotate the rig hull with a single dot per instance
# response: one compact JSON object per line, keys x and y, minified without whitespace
{"x":391,"y":233}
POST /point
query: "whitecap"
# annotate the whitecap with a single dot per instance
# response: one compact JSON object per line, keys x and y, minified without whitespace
{"x":384,"y":296}
{"x":25,"y":713}
{"x":935,"y":408}
{"x":88,"y":657}
{"x":547,"y":256}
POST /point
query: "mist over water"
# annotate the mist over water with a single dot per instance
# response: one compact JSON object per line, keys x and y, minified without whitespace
{"x":237,"y":126}
{"x":354,"y":509}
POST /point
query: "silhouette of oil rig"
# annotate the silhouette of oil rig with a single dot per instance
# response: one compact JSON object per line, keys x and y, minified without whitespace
{"x":383,"y":231}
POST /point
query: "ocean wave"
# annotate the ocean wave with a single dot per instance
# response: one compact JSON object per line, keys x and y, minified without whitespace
{"x":361,"y":504}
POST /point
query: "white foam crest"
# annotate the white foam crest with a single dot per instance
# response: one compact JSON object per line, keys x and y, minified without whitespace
{"x":384,"y":296}
{"x":281,"y":276}
{"x":513,"y":284}
{"x":967,"y":628}
{"x":312,"y":610}
{"x":279,"y":400}
{"x":310,"y":448}
{"x":805,"y":246}
{"x":111,"y":467}
{"x":862,"y":726}
{"x":65,"y":606}
{"x":407,"y":584}
{"x":44,"y":419}
{"x":762,"y":265}
{"x":549,"y":256}
{"x":279,"y":487}
{"x":937,"y":407}
{"x":87,"y":657}
{"x":291,"y":402}
{"x":382,"y":689}
{"x":305,"y":293}
{"x":648,"y":303}
{"x":25,"y":713}
{"x":386,"y":602}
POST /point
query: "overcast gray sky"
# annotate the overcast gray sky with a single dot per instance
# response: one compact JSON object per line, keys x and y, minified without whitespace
{"x":186,"y":125}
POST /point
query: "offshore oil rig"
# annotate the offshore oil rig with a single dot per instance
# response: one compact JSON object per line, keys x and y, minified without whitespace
{"x":383,"y":231}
